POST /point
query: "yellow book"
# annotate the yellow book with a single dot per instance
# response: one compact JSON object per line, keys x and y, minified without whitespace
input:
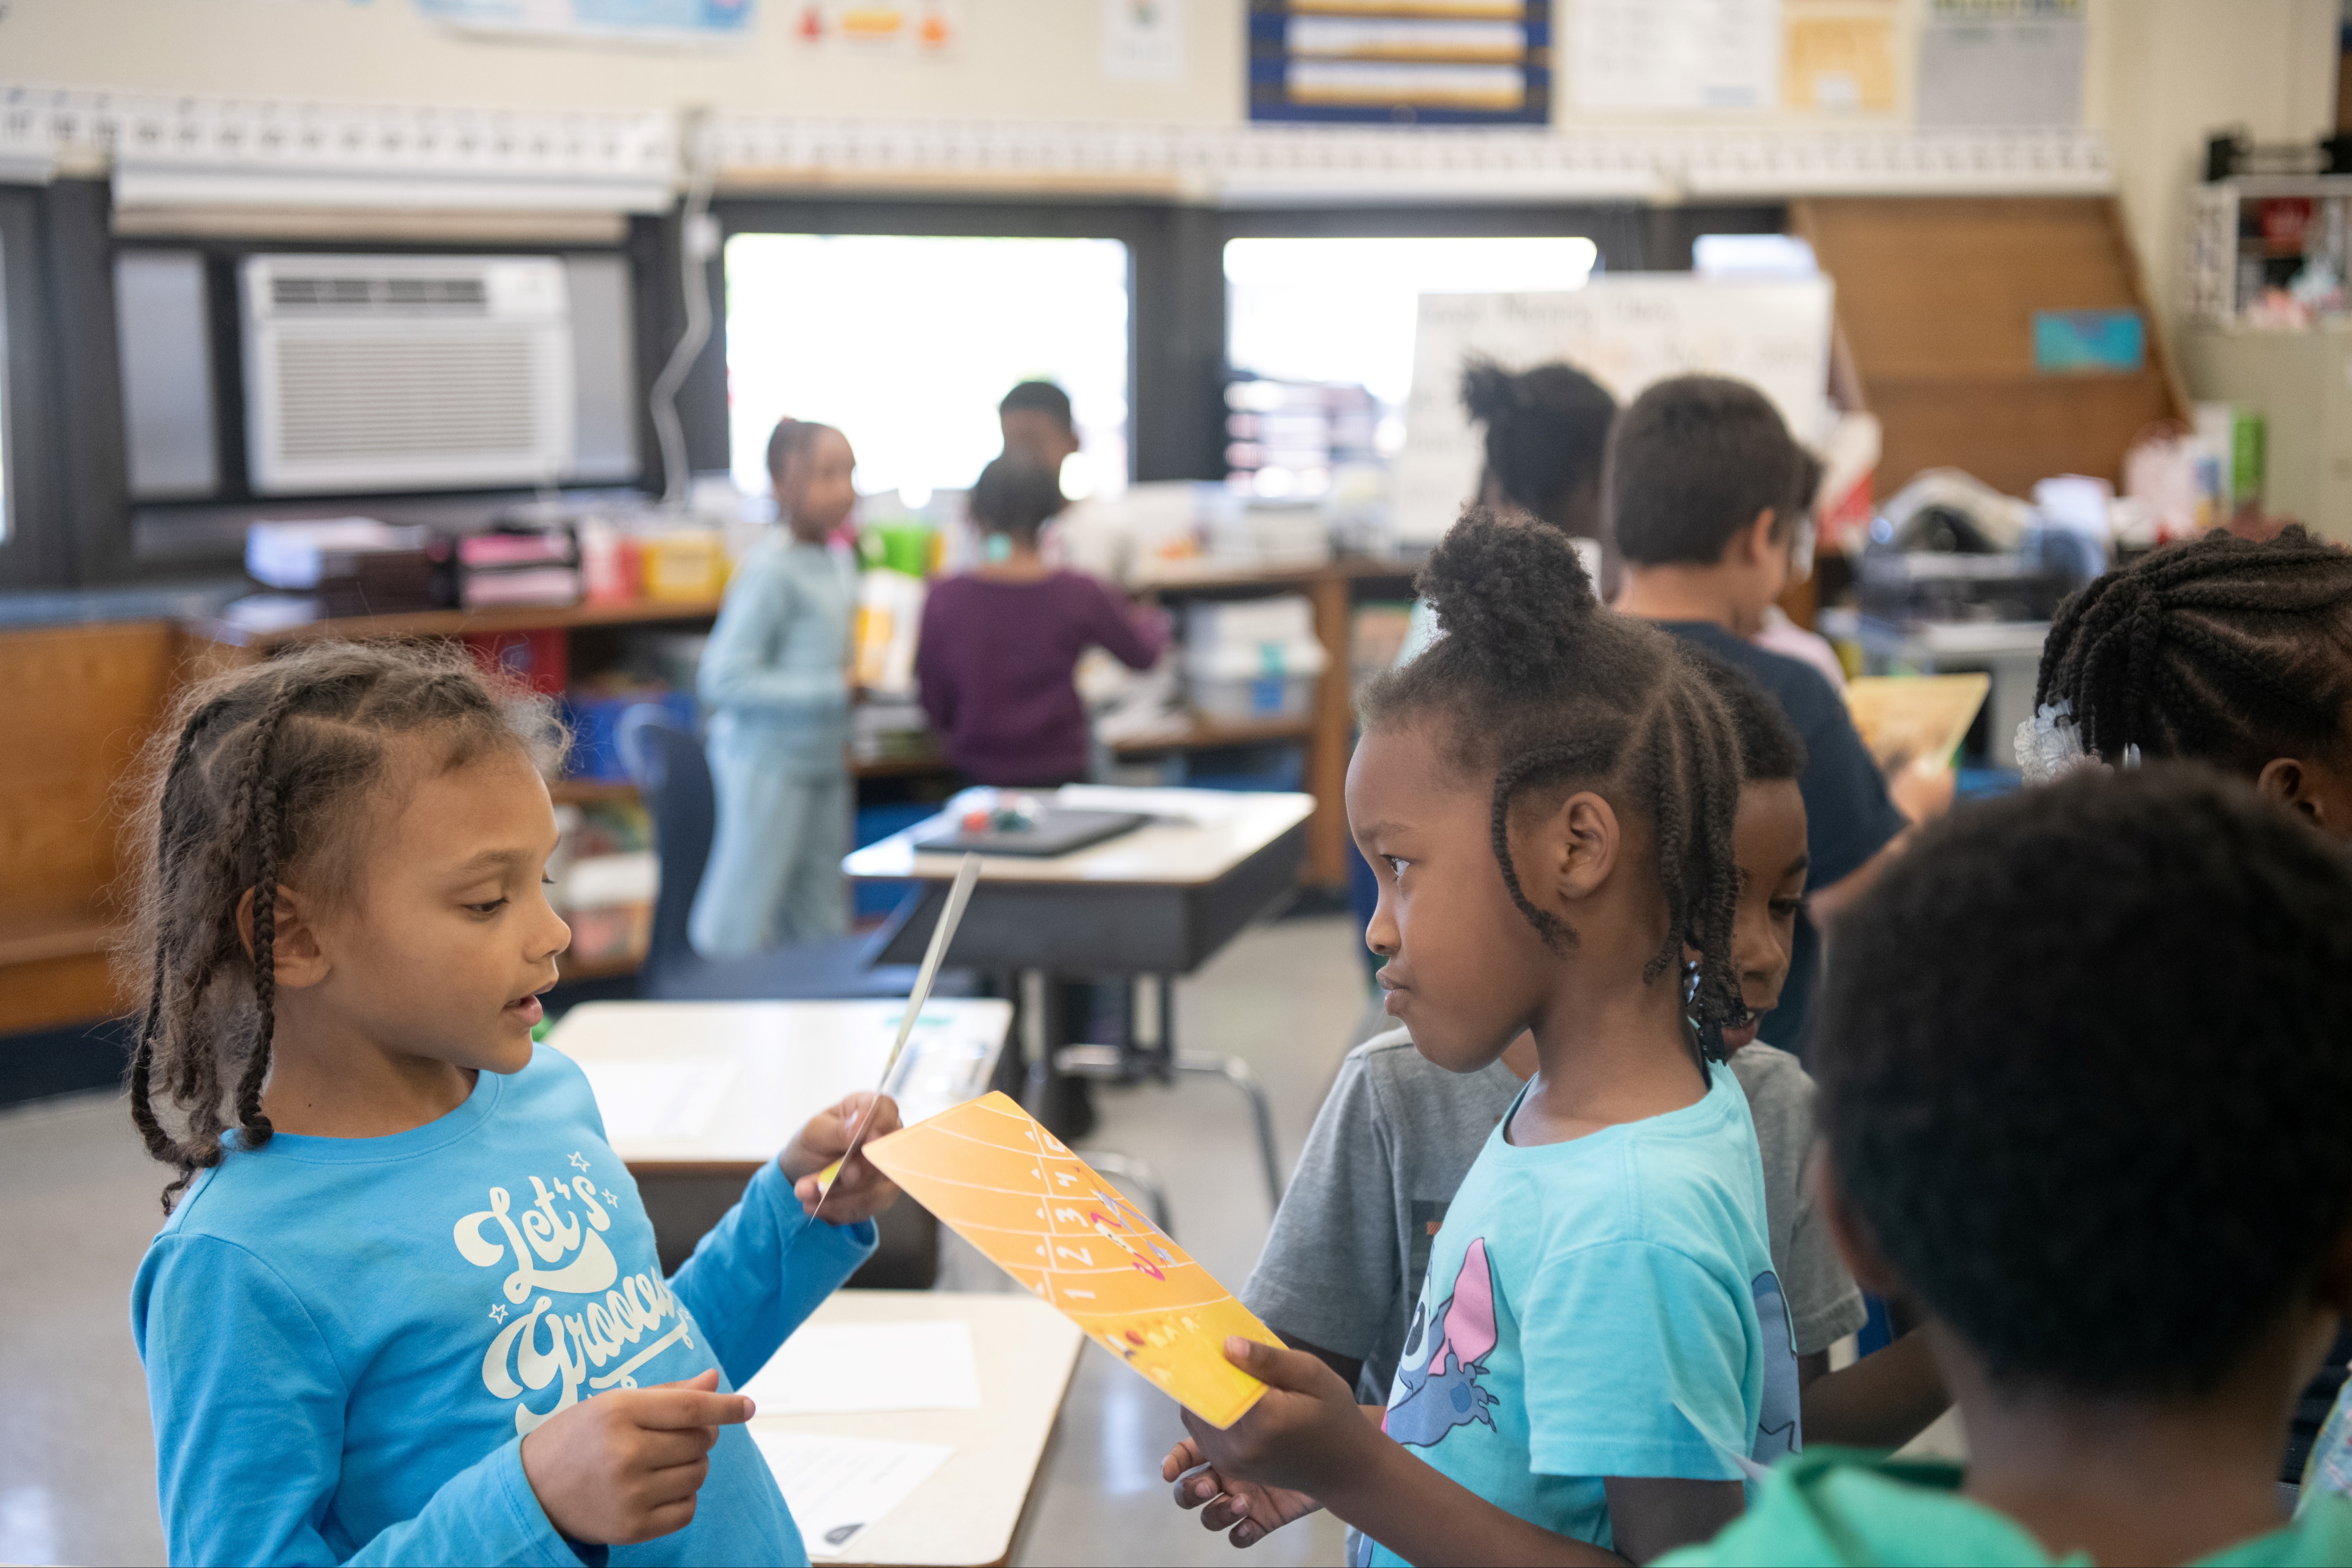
{"x":998,"y":1179}
{"x":1908,"y":719}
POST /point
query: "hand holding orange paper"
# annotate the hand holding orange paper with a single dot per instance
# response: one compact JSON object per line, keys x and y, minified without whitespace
{"x":1005,"y":1185}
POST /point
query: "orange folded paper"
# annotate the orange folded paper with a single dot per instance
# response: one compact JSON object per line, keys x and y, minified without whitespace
{"x":1005,"y":1185}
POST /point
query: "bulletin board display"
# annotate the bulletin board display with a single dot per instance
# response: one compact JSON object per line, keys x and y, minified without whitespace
{"x":686,"y":20}
{"x":1445,"y":62}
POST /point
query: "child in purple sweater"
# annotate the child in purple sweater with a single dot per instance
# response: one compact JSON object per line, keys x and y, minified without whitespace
{"x":1000,"y":644}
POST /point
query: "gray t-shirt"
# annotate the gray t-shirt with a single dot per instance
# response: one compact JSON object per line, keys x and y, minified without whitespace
{"x":1343,"y":1263}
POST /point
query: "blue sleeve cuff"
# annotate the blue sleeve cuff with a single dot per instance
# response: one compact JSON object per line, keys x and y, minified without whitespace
{"x":520,"y":1530}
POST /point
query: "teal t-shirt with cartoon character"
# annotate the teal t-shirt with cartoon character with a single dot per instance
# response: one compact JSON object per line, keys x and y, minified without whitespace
{"x":1601,"y":1307}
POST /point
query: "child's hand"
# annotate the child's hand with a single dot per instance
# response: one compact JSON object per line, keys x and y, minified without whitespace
{"x":625,"y":1467}
{"x":859,"y":1191}
{"x":1248,"y":1511}
{"x":1302,"y":1434}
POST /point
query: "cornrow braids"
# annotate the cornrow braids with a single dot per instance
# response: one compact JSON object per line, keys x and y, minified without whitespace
{"x":1547,"y":691}
{"x":2225,"y":649}
{"x":263,"y":775}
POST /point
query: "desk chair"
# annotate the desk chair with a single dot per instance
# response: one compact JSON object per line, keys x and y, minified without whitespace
{"x":667,"y":762}
{"x":667,"y":765}
{"x":1149,"y":1056}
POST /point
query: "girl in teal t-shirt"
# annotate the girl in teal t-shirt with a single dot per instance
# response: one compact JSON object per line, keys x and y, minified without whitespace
{"x":1600,"y":1355}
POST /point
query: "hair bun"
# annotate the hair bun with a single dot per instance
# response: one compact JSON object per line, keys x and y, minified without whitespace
{"x":1508,"y":591}
{"x":1489,"y":392}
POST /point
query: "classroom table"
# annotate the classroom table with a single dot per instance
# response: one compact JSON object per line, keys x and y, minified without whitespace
{"x":1153,"y":903}
{"x":970,"y":1510}
{"x":696,"y":1095}
{"x":716,"y":1088}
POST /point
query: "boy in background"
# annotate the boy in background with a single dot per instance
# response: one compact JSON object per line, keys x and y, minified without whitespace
{"x":1039,"y":433}
{"x":1704,"y":488}
{"x":2083,"y":1070}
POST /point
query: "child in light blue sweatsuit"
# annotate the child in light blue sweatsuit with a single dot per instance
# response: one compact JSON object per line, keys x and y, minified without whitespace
{"x":776,"y":678}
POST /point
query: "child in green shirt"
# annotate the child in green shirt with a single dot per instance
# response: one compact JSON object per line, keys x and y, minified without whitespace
{"x":2083,"y":1068}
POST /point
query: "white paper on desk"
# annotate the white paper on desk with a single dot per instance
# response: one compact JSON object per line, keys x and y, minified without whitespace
{"x":840,"y":1369}
{"x":838,"y":1486}
{"x":648,"y":1101}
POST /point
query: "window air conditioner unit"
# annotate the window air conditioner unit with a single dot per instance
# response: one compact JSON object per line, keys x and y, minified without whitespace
{"x":396,"y":373}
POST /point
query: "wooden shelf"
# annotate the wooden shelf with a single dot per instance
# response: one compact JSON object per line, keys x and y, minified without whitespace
{"x":1207,"y":574}
{"x":455,"y":623}
{"x":569,"y":969}
{"x":67,"y":936}
{"x":1196,"y":734}
{"x":590,"y":792}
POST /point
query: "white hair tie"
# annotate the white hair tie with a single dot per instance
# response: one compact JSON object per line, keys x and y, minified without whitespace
{"x":2050,"y":745}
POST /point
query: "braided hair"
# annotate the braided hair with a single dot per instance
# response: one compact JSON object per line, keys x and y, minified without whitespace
{"x":2223,"y":649}
{"x":1547,"y":692}
{"x":1547,"y":431}
{"x":260,"y":776}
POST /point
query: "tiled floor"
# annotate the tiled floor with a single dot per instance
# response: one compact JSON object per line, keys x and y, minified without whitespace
{"x":78,"y":1201}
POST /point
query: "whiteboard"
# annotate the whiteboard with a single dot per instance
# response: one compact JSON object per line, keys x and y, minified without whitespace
{"x":1624,"y":332}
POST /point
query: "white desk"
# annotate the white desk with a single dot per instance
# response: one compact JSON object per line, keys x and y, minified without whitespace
{"x":1195,"y":836}
{"x":968,"y":1511}
{"x":716,"y":1086}
{"x":1157,"y":901}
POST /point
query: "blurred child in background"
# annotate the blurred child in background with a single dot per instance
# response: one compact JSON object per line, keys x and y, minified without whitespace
{"x":1704,"y":488}
{"x":777,"y":679}
{"x":996,"y":659}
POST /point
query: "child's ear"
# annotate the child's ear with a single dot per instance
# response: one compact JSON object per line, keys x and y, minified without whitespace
{"x":299,"y":958}
{"x":1582,"y":841}
{"x":1757,"y":541}
{"x":1868,"y":1266}
{"x":2288,"y":781}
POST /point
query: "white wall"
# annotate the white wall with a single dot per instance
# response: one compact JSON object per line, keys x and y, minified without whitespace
{"x":2164,"y":74}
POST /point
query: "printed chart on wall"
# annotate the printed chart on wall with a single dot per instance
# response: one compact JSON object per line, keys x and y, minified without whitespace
{"x":1467,"y":62}
{"x":1625,"y":332}
{"x":680,"y":20}
{"x":913,"y":26}
{"x":1011,"y":1189}
{"x":1677,"y":53}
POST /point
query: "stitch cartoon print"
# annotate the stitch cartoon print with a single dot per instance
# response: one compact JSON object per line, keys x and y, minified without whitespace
{"x":1438,"y":1384}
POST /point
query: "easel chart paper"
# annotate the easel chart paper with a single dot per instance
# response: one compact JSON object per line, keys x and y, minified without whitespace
{"x":1005,"y":1185}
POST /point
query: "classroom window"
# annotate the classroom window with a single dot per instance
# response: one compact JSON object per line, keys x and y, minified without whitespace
{"x":907,"y":342}
{"x":1309,"y":320}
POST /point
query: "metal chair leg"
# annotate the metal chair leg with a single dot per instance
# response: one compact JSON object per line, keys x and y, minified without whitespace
{"x":1136,"y":1175}
{"x":1235,"y":1071}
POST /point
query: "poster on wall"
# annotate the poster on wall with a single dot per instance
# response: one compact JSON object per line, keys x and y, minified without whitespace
{"x":1839,"y":65}
{"x":1484,"y":64}
{"x":689,"y":21}
{"x":915,"y":27}
{"x":1677,"y":55}
{"x":2001,"y":62}
{"x":1143,"y":40}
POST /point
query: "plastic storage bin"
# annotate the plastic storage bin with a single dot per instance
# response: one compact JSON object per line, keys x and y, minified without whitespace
{"x":1252,"y":659}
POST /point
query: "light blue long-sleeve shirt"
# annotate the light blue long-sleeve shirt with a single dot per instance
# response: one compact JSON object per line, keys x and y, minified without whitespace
{"x":778,"y":658}
{"x":346,"y":1340}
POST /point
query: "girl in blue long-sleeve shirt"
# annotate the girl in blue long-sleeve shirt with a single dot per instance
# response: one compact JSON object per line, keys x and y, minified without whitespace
{"x":406,"y":1307}
{"x":776,"y":678}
